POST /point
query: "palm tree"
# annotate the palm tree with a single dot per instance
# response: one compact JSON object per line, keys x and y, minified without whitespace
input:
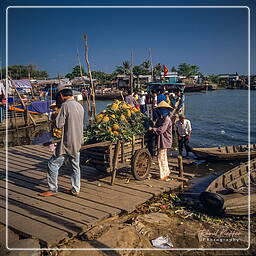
{"x":157,"y":70}
{"x":146,"y":67}
{"x":124,"y":69}
{"x":137,"y":71}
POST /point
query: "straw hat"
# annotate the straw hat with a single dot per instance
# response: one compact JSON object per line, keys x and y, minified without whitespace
{"x":163,"y":104}
{"x":53,"y":105}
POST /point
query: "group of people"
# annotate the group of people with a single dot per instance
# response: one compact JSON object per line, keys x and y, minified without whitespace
{"x":162,"y":108}
{"x":166,"y":110}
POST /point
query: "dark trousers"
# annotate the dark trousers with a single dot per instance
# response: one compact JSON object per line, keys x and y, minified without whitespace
{"x":143,"y":109}
{"x":184,"y":141}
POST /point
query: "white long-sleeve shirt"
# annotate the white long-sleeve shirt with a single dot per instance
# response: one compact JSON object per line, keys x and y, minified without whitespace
{"x":183,"y":129}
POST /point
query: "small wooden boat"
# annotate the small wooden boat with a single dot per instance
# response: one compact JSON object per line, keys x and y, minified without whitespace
{"x":226,"y":153}
{"x":229,"y":193}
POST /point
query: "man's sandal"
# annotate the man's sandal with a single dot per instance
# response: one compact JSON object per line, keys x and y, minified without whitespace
{"x":47,"y":194}
{"x":71,"y":192}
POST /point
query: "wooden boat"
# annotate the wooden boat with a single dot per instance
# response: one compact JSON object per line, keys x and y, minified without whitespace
{"x":229,"y":193}
{"x":156,"y":86}
{"x":225,"y":153}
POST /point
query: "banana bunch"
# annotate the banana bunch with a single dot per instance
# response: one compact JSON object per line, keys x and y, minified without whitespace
{"x":57,"y":133}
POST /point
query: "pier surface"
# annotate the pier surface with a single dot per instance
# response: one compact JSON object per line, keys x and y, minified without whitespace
{"x":55,"y":218}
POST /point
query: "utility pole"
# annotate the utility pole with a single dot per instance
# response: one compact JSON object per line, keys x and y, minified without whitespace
{"x":151,"y":63}
{"x":131,"y":73}
{"x":1,"y":69}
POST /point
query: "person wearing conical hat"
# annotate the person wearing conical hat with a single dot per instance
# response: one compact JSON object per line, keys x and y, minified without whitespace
{"x":163,"y":130}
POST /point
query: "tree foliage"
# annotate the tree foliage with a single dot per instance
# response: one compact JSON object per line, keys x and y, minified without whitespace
{"x":157,"y":70}
{"x":188,"y":70}
{"x":173,"y":69}
{"x":213,"y":79}
{"x":76,"y":73}
{"x":102,"y":77}
{"x":25,"y":72}
{"x":124,"y":69}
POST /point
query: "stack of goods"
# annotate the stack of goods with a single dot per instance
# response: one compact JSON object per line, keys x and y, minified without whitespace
{"x":119,"y":121}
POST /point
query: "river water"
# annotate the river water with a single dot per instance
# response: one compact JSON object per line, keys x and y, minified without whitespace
{"x":218,"y":117}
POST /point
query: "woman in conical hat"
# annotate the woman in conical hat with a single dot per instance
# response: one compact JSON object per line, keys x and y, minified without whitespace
{"x":163,"y":130}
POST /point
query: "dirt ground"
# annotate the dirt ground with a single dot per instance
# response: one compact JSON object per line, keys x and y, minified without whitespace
{"x":181,"y":219}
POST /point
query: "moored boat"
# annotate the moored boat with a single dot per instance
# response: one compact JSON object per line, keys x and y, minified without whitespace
{"x":226,"y":153}
{"x":229,"y":193}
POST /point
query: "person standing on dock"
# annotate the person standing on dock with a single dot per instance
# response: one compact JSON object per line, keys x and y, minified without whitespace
{"x":130,"y":99}
{"x":142,"y":102}
{"x":149,"y":105}
{"x":163,"y":130}
{"x":70,"y":120}
{"x":184,"y":130}
{"x":161,"y":96}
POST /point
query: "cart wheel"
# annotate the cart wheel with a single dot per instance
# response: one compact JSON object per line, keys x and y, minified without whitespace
{"x":140,"y":164}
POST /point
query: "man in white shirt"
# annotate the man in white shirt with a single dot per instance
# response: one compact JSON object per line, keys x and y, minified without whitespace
{"x":184,"y":130}
{"x":142,"y":102}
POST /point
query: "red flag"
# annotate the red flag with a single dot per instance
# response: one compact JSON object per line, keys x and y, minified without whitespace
{"x":165,"y":70}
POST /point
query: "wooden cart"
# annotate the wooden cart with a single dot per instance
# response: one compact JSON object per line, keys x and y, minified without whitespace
{"x":111,"y":156}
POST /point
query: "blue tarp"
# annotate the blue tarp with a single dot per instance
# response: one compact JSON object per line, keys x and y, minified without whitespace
{"x":40,"y":106}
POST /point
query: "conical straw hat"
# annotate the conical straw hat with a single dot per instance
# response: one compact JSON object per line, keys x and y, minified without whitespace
{"x":163,"y":104}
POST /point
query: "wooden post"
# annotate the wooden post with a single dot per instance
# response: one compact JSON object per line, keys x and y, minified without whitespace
{"x":115,"y":160}
{"x":15,"y":115}
{"x":131,"y":73}
{"x":151,"y":62}
{"x":90,"y":76}
{"x":88,"y":105}
{"x":180,"y":166}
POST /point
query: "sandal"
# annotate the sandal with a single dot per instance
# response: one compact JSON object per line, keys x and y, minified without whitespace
{"x":47,"y":194}
{"x":71,"y":192}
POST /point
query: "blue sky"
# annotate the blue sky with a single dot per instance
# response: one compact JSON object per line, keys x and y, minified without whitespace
{"x":214,"y":39}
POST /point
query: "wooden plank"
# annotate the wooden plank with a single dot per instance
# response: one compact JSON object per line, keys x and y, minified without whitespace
{"x":97,"y":209}
{"x":111,"y":199}
{"x":99,"y":144}
{"x":35,"y":177}
{"x":31,"y":226}
{"x":178,"y":178}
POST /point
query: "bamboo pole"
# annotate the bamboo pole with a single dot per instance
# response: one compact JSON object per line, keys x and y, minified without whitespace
{"x":131,"y":75}
{"x":15,"y":116}
{"x":181,"y":170}
{"x":90,"y":76}
{"x":88,"y":105}
{"x":151,"y":63}
{"x":1,"y":72}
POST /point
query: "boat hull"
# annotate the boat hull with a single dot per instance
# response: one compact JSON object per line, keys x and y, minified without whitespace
{"x":225,"y":153}
{"x":229,"y":194}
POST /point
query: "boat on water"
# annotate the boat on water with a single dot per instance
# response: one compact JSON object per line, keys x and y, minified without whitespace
{"x":155,"y":86}
{"x":226,"y":153}
{"x":229,"y":193}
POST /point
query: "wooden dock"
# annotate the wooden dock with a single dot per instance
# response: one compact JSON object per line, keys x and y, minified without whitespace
{"x":52,"y":219}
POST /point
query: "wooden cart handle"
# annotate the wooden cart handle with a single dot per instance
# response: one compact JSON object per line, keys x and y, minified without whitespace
{"x":99,"y":144}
